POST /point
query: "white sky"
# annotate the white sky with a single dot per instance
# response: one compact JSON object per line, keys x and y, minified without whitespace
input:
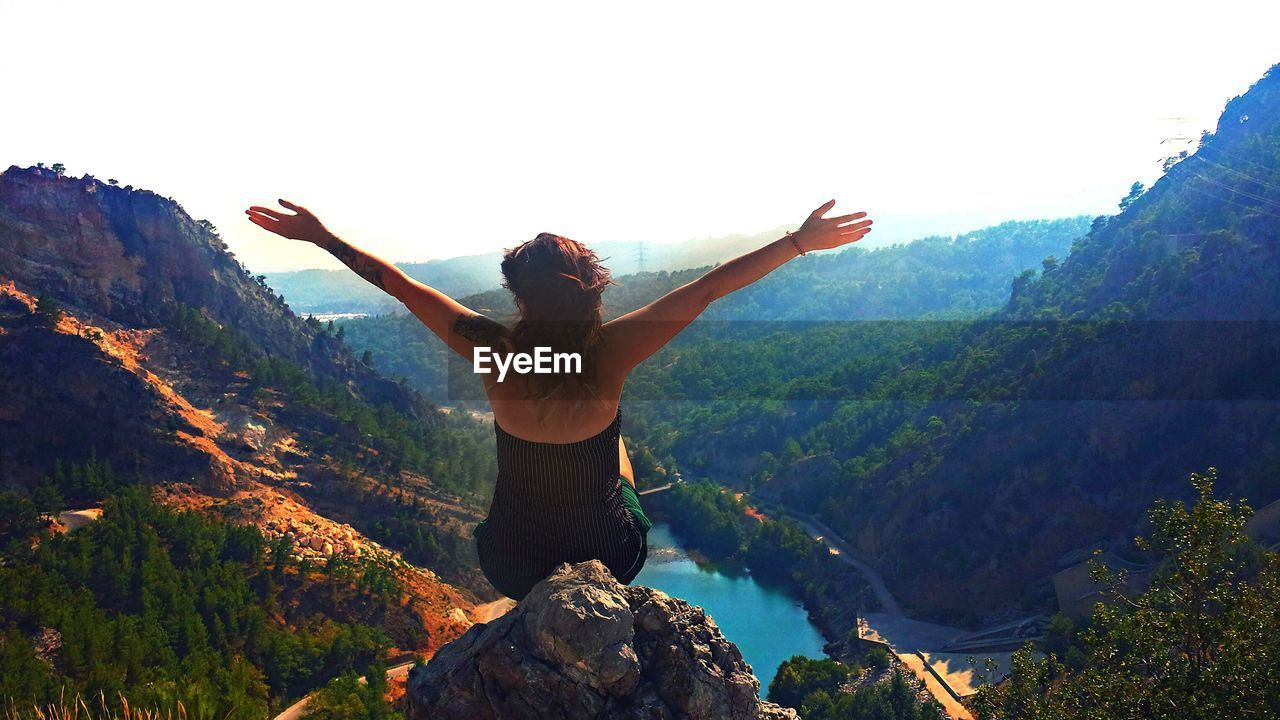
{"x":433,"y":131}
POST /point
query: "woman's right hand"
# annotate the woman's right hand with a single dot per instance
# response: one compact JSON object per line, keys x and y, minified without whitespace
{"x":819,"y":233}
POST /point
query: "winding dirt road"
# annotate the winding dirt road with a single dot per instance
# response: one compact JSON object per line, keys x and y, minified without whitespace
{"x":842,"y":550}
{"x":491,"y":611}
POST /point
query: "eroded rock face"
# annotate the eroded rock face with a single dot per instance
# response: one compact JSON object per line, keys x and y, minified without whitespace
{"x":132,"y":256}
{"x":582,"y":645}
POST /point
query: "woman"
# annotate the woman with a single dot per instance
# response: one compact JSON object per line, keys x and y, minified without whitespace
{"x":565,"y":490}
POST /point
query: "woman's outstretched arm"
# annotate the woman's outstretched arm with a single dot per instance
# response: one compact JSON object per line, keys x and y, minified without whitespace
{"x":638,"y":334}
{"x":457,"y":325}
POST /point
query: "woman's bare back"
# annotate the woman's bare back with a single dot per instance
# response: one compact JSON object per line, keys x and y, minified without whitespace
{"x":566,"y":422}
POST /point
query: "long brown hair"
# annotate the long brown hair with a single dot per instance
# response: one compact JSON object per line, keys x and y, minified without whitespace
{"x":558,"y":284}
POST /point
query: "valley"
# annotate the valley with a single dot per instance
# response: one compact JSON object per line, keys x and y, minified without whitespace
{"x":941,"y":449}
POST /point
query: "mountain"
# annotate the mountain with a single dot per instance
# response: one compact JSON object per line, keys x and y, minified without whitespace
{"x":138,"y":278}
{"x":136,"y":352}
{"x":341,"y":291}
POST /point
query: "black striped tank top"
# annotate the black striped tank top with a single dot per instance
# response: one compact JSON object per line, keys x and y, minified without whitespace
{"x":557,"y":502}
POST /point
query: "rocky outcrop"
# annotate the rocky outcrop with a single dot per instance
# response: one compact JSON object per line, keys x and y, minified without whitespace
{"x":581,"y":645}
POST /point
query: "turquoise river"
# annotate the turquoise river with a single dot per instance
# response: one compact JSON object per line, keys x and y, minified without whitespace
{"x":766,"y":622}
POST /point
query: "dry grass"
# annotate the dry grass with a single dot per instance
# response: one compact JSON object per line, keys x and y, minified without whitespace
{"x":78,"y":709}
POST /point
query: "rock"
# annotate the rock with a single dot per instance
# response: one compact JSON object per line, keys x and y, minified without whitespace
{"x":47,"y":643}
{"x":253,"y":436}
{"x":582,"y":645}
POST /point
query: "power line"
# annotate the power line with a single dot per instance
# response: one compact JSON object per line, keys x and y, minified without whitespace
{"x":1219,"y":198}
{"x":1238,"y":191}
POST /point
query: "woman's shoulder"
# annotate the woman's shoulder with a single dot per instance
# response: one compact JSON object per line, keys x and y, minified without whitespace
{"x":482,"y":329}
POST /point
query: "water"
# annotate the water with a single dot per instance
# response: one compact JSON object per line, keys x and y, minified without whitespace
{"x":326,"y":317}
{"x":767,"y":623}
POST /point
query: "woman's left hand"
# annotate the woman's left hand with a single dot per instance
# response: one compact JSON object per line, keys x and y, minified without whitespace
{"x":302,"y":225}
{"x":819,"y":233}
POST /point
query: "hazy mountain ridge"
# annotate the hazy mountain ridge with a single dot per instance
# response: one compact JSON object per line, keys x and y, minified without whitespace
{"x":937,"y":277}
{"x":340,"y":291}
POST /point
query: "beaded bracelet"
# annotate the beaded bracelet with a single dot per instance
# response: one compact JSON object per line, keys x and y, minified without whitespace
{"x":791,"y":235}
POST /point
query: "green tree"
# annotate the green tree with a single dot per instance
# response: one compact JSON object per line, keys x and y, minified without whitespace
{"x":878,"y":658}
{"x":347,"y":697}
{"x":19,"y":520}
{"x":24,"y":672}
{"x":342,"y":699}
{"x":1135,"y":192}
{"x":820,"y":690}
{"x":798,"y":677}
{"x":47,"y":497}
{"x":1202,"y":641}
{"x":49,"y":309}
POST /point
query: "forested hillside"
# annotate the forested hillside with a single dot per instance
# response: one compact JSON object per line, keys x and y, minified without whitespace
{"x":172,"y":609}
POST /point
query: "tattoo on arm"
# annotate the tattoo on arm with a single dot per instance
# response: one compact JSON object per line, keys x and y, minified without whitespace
{"x":479,"y":329}
{"x":362,"y":264}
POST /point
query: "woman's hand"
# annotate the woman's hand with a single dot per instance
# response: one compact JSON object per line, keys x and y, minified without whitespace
{"x":302,"y":225}
{"x":819,"y":233}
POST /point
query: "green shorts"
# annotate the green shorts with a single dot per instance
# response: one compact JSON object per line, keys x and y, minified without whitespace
{"x":513,"y":568}
{"x":632,"y":502}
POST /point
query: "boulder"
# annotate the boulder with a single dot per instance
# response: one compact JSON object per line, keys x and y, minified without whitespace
{"x":253,"y":436}
{"x":582,"y":645}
